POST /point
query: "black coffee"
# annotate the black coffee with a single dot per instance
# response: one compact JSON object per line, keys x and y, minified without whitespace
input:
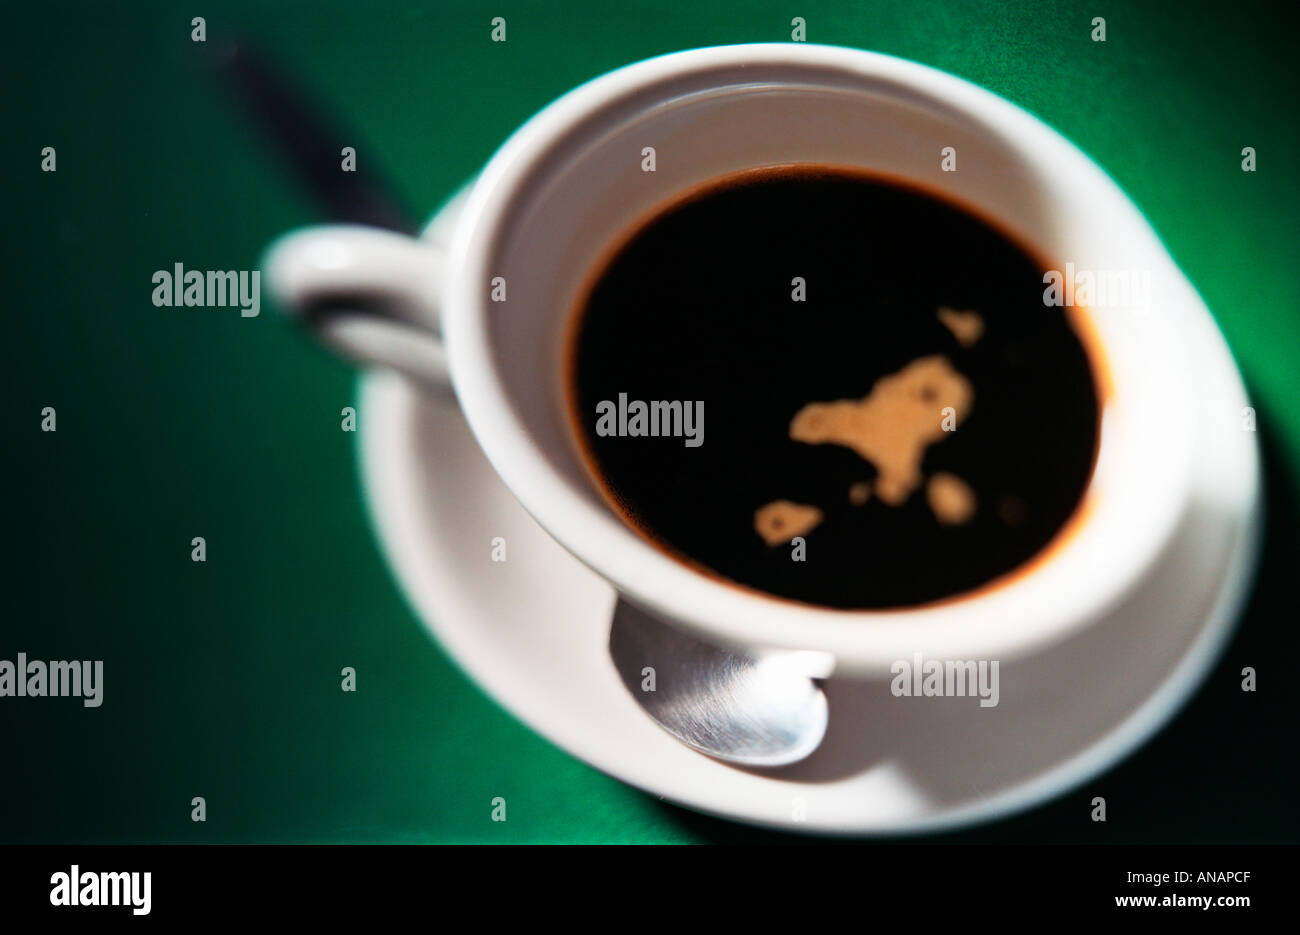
{"x":833,"y":388}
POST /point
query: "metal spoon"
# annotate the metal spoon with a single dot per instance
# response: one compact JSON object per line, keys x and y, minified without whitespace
{"x":308,"y":141}
{"x":752,"y":710}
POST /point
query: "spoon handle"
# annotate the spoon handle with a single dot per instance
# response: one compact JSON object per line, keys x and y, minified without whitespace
{"x":287,"y":118}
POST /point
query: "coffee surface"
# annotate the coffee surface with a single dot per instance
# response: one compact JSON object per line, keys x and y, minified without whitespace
{"x":833,"y":388}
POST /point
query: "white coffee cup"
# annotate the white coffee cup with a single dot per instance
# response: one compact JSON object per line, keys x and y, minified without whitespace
{"x":572,"y":181}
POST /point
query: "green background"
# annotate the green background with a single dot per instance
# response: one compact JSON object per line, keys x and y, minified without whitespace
{"x":222,"y":678}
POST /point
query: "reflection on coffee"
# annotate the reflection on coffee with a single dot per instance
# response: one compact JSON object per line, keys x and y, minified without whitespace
{"x":894,"y":414}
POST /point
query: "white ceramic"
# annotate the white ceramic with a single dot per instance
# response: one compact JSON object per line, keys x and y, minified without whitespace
{"x":532,"y":631}
{"x":568,"y":182}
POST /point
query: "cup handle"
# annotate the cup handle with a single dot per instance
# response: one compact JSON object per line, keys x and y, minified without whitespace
{"x":369,"y":294}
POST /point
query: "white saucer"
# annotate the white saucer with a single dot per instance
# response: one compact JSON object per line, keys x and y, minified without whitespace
{"x":533,"y":632}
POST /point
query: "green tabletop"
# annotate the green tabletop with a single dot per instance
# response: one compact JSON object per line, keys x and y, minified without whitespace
{"x":181,"y":422}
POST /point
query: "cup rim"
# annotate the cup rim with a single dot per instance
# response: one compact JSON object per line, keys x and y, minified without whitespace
{"x":1007,"y":621}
